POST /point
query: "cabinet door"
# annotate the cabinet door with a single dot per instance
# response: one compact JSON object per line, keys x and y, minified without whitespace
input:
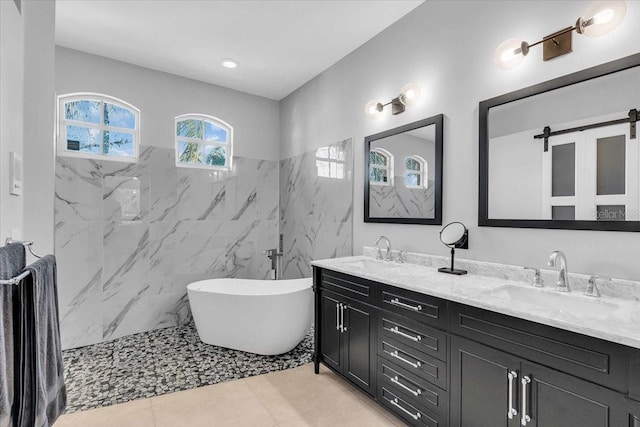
{"x":480,"y":386}
{"x":634,"y":413}
{"x":330,"y":335}
{"x":555,"y":399}
{"x":359,"y":342}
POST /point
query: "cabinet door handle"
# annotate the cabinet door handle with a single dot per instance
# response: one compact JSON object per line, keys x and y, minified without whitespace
{"x":416,"y":393}
{"x":396,"y":331}
{"x":525,"y":418}
{"x":402,"y":359}
{"x":342,"y":327}
{"x":395,"y":403}
{"x":399,"y":303}
{"x":337,"y":316}
{"x":512,"y":376}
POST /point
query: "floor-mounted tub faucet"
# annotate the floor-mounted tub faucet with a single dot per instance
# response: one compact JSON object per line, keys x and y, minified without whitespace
{"x":274,"y":256}
{"x":388,"y":256}
{"x":558,"y":257}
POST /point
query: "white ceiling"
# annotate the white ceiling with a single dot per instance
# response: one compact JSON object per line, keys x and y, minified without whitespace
{"x":279,"y":45}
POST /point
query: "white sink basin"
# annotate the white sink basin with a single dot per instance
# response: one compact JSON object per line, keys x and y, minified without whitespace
{"x":575,"y":305}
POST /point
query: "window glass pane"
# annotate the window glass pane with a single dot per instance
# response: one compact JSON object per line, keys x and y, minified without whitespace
{"x":190,"y":128}
{"x":118,"y":144}
{"x":119,"y":117}
{"x":378,"y":175}
{"x":563,"y":213}
{"x":189,"y":152}
{"x":214,"y":133}
{"x":336,"y":153}
{"x":339,"y":170}
{"x":84,"y":140}
{"x":412,"y":164}
{"x":413,"y":180}
{"x":611,"y":165}
{"x":214,"y":155}
{"x":322,"y":153}
{"x":83,"y":110}
{"x":611,"y":213}
{"x":563,"y":173}
{"x":376,"y":158}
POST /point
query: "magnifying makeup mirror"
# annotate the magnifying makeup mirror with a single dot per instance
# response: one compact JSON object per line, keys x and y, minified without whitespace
{"x":454,"y":235}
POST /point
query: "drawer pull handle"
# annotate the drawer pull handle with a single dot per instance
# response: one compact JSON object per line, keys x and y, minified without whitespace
{"x":396,"y":331}
{"x":337,"y":316}
{"x":416,"y":393}
{"x":395,"y":403}
{"x":512,"y":376}
{"x":525,"y":418}
{"x":402,"y":359}
{"x":399,"y":303}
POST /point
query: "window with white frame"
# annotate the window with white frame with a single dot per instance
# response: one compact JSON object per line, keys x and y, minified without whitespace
{"x":380,"y":167}
{"x":92,"y":125}
{"x":415,"y":175}
{"x":203,"y":142}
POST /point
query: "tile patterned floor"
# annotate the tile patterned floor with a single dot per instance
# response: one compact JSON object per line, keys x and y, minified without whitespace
{"x":159,"y":362}
{"x":289,"y":398}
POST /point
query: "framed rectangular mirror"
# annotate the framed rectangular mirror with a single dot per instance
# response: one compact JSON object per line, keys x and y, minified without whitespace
{"x":564,"y":153}
{"x":403,"y":174}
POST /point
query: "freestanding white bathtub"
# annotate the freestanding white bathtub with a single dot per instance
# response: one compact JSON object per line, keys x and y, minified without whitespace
{"x":259,"y":316}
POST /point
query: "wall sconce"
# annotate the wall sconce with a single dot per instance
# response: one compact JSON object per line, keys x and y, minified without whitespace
{"x":600,"y":18}
{"x":409,"y":94}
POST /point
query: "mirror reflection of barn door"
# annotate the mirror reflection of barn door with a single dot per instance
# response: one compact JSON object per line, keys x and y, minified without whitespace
{"x":592,"y":175}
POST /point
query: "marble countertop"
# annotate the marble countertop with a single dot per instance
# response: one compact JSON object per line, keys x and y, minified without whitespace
{"x":608,"y":318}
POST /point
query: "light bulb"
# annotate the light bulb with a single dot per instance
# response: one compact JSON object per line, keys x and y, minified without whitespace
{"x":373,"y":109}
{"x":601,"y":17}
{"x":410,"y":93}
{"x":509,"y":54}
{"x":229,"y":63}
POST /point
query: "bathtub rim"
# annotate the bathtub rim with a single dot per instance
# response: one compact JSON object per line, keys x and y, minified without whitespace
{"x":250,"y":287}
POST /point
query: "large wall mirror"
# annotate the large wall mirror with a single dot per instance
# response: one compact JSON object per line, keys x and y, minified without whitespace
{"x":403,"y":174}
{"x":564,"y":153}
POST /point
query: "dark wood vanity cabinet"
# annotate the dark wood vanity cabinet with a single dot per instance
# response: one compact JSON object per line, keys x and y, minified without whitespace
{"x":433,"y":362}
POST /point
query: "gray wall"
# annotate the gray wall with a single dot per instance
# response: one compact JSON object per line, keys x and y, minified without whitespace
{"x":447,"y":48}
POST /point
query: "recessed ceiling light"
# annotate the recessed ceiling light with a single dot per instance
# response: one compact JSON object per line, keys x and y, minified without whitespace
{"x":229,"y":63}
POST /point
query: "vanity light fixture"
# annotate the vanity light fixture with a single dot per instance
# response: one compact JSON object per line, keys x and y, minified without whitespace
{"x":600,"y":18}
{"x":409,"y":94}
{"x":229,"y":63}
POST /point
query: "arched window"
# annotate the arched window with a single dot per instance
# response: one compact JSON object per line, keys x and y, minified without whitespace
{"x":92,"y":125}
{"x":380,"y":167}
{"x":415,"y":175}
{"x":203,"y":142}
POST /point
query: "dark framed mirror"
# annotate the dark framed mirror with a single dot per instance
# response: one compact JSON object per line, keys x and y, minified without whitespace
{"x":403,"y":174}
{"x":565,"y":153}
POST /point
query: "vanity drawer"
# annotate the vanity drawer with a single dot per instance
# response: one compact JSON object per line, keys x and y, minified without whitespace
{"x":413,"y":389}
{"x":589,"y":358}
{"x":413,"y":334}
{"x":420,"y":307}
{"x":414,"y":361}
{"x":407,"y":411}
{"x":354,"y":287}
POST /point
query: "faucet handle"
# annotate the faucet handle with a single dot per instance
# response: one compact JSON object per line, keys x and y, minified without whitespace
{"x":402,"y":257}
{"x":536,"y":281}
{"x":592,"y":288}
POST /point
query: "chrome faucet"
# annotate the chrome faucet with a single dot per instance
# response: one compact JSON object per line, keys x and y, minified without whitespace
{"x":275,"y":257}
{"x":563,"y":280}
{"x":388,"y":256}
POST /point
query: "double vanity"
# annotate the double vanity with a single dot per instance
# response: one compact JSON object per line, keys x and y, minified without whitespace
{"x":483,"y":349}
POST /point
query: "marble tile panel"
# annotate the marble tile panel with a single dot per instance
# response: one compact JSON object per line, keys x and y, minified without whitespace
{"x":242,"y":189}
{"x":163,"y":183}
{"x":241,"y":248}
{"x":268,"y":190}
{"x":125,"y":198}
{"x":399,"y":201}
{"x":80,"y":324}
{"x":78,"y":250}
{"x":78,"y":190}
{"x":126,"y":259}
{"x":201,"y":195}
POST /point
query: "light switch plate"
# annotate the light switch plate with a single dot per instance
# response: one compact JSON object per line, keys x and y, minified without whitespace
{"x":15,"y":174}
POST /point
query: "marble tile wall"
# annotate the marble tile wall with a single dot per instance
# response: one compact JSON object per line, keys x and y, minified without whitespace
{"x":130,"y":237}
{"x":398,"y":201}
{"x":316,"y":207}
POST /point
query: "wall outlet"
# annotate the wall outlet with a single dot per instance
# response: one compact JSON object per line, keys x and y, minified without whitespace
{"x":15,"y":174}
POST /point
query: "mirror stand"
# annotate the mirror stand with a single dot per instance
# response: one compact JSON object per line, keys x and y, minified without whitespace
{"x":451,"y":270}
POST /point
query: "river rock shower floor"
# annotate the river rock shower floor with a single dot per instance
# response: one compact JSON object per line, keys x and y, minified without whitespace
{"x":162,"y":361}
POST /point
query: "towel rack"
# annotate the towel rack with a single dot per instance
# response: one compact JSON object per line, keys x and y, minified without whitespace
{"x":15,"y":280}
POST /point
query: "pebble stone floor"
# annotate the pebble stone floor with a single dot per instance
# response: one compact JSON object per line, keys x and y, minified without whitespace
{"x":162,"y":361}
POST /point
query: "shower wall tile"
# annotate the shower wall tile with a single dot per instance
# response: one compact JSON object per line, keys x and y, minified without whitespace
{"x":79,"y":259}
{"x":78,"y":190}
{"x":316,"y":207}
{"x":130,"y":237}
